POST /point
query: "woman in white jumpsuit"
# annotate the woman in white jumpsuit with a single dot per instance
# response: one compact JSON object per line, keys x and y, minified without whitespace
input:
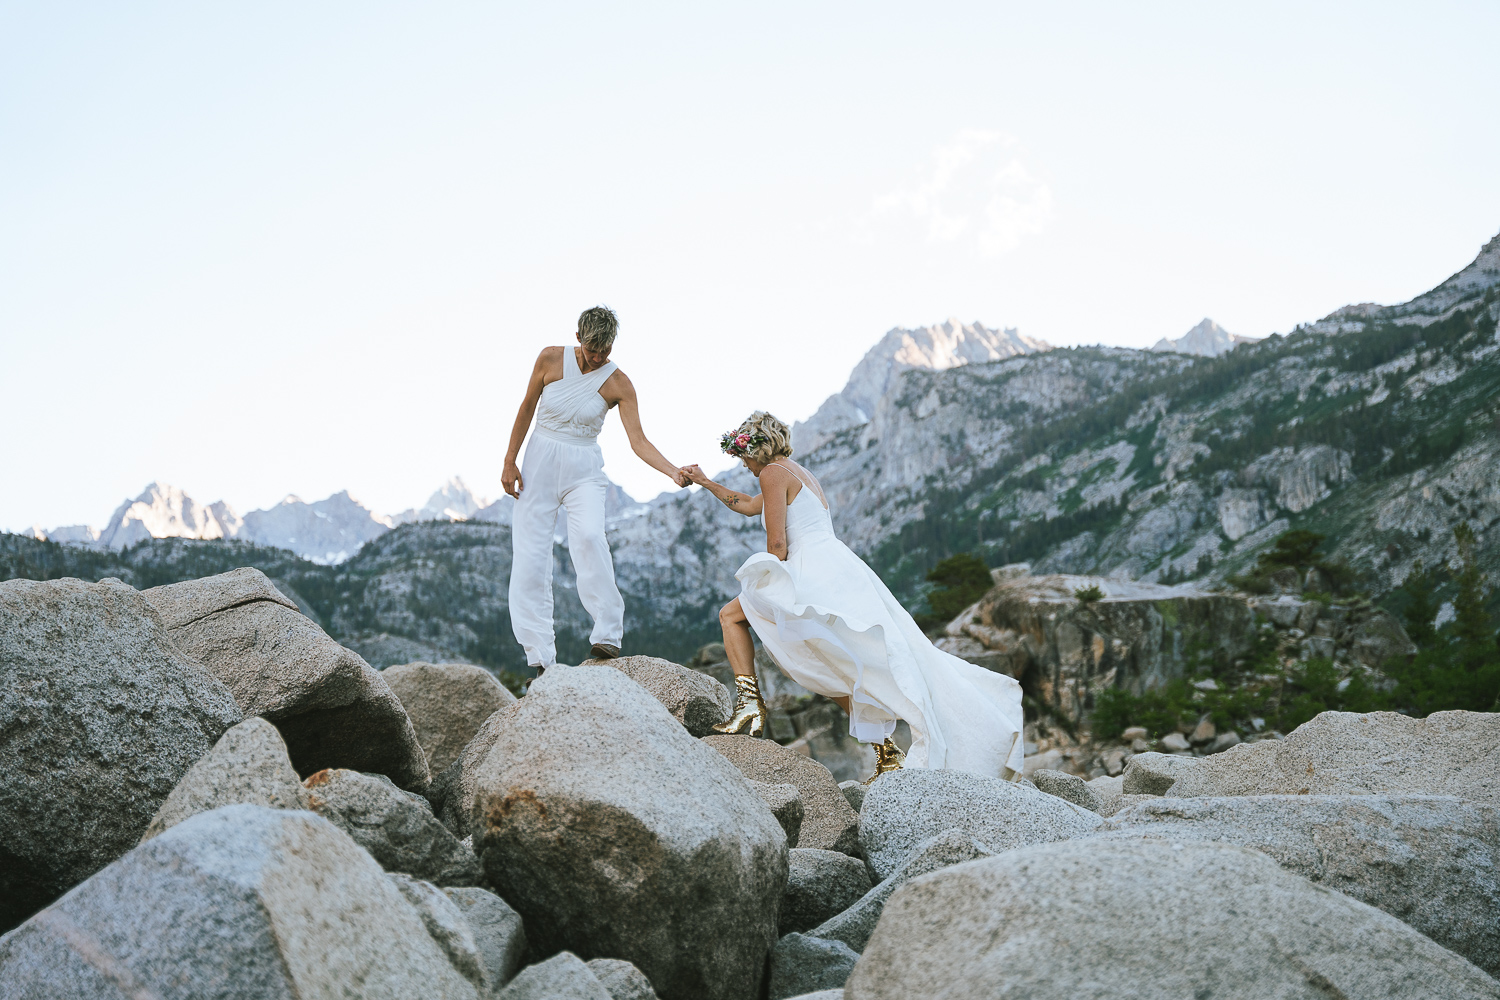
{"x":571,"y":391}
{"x":832,"y":625}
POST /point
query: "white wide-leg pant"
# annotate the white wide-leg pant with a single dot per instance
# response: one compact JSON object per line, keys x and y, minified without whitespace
{"x":558,"y":474}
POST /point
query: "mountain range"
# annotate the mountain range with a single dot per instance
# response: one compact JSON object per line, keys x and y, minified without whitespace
{"x":326,"y":532}
{"x":332,"y":530}
{"x":1375,"y":426}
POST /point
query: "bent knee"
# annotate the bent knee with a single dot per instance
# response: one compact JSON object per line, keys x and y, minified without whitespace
{"x":730,"y":614}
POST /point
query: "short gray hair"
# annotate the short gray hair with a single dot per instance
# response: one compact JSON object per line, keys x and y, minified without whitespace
{"x":597,"y":328}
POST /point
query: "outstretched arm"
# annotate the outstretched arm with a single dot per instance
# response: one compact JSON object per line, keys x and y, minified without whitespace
{"x":742,"y":503}
{"x":510,"y":479}
{"x":630,"y":416}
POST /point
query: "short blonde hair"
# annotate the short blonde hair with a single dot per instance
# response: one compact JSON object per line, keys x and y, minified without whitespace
{"x":770,"y":437}
{"x":597,"y":328}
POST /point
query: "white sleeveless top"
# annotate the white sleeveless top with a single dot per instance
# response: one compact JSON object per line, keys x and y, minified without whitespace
{"x":571,"y":409}
{"x":808,"y":522}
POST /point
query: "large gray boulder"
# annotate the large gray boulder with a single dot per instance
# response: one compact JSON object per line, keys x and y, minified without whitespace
{"x":1344,"y":753}
{"x":241,"y":903}
{"x":452,"y":791}
{"x":785,"y":803}
{"x":1415,"y":857}
{"x":828,"y":823}
{"x":562,"y":977}
{"x":248,"y":764}
{"x":101,"y":715}
{"x":397,"y":827}
{"x":1111,"y":795}
{"x":446,"y":925}
{"x":331,"y":706}
{"x":447,"y":703}
{"x":623,"y":980}
{"x":906,"y":807}
{"x":856,"y":922}
{"x":1154,"y":773}
{"x":696,"y":700}
{"x":801,"y":964}
{"x":1068,"y":787}
{"x":497,"y":930}
{"x":819,"y":885}
{"x":854,"y":793}
{"x":1204,"y":920}
{"x":616,"y":834}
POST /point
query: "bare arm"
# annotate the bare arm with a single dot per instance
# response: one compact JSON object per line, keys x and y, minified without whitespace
{"x":774,"y":483}
{"x":741,"y":503}
{"x":623,"y":394}
{"x":510,"y":478}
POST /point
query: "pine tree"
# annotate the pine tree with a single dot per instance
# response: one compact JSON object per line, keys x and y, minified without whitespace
{"x":1471,"y":624}
{"x":1420,"y":609}
{"x":961,"y":580}
{"x":1460,"y":669}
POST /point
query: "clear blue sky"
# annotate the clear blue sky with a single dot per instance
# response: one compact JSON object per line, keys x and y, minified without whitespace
{"x":266,"y":248}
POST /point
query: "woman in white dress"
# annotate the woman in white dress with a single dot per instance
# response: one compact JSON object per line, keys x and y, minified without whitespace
{"x":834,"y":627}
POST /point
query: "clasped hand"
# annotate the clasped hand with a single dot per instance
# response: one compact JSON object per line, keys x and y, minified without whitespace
{"x":692,"y":474}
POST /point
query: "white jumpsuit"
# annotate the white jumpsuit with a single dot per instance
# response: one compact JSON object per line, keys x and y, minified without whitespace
{"x":564,"y":468}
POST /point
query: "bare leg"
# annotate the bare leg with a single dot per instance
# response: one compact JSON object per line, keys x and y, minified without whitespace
{"x":738,"y":645}
{"x":740,"y":649}
{"x":750,"y":713}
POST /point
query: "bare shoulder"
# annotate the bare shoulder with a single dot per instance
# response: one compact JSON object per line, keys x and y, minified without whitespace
{"x":617,"y":387}
{"x":776,"y":476}
{"x":549,"y":364}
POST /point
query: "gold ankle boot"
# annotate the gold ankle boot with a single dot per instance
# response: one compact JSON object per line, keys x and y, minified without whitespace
{"x":887,"y":759}
{"x":750,"y":711}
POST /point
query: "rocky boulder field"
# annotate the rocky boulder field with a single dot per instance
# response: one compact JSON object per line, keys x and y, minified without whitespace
{"x":203,"y":795}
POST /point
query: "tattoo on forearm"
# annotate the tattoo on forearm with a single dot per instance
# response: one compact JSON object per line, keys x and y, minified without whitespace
{"x":730,"y":500}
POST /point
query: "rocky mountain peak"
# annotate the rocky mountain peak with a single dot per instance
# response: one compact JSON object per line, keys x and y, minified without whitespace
{"x":1482,"y":274}
{"x":1208,"y":339}
{"x":326,"y":532}
{"x":1462,"y":289}
{"x":938,"y":347}
{"x":165,"y":511}
{"x":453,"y":501}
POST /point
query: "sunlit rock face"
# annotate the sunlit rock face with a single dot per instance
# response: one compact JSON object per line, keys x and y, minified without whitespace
{"x":163,"y":511}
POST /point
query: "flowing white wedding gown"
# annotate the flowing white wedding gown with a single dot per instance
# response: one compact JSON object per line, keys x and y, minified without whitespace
{"x":833,"y":626}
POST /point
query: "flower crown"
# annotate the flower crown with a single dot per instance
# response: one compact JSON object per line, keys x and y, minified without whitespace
{"x":739,"y":444}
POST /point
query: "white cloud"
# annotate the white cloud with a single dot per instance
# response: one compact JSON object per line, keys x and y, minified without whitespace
{"x":976,"y":190}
